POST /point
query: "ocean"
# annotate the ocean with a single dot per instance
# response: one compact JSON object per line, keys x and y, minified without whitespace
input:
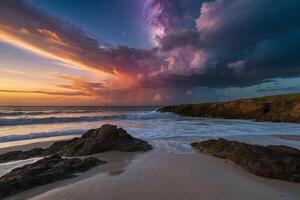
{"x":167,"y":131}
{"x":19,"y":125}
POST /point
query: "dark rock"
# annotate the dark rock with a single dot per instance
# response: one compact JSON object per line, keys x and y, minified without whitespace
{"x":56,"y":147}
{"x":106,"y":138}
{"x":21,"y":155}
{"x":278,"y":162}
{"x":42,"y":172}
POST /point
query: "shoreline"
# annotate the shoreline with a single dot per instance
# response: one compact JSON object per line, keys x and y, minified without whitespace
{"x":153,"y":175}
{"x":47,"y":141}
{"x":33,"y":143}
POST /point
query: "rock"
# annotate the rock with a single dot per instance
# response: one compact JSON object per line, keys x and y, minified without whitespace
{"x":57,"y":147}
{"x":278,"y":162}
{"x":42,"y":172}
{"x":21,"y":155}
{"x":106,"y":138}
{"x":280,"y":108}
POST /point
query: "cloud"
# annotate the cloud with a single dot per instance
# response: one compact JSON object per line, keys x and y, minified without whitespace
{"x":44,"y":92}
{"x":279,"y":89}
{"x":51,"y":36}
{"x":189,"y":93}
{"x":185,"y":62}
{"x":237,"y":66}
{"x":157,"y":98}
{"x":166,"y":17}
{"x":81,"y":85}
{"x":214,"y":44}
{"x":181,"y":39}
{"x":34,"y":30}
{"x":244,"y":42}
{"x":13,"y":71}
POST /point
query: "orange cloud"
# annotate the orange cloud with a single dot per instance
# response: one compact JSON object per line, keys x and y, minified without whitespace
{"x":52,"y":37}
{"x":118,"y":69}
{"x":44,"y":92}
{"x":14,"y":71}
{"x":89,"y":88}
{"x":25,"y":41}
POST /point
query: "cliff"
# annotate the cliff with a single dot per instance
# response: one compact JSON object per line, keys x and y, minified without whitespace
{"x":279,"y":108}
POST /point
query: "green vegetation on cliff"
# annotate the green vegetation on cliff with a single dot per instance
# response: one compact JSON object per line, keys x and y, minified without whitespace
{"x":279,"y":108}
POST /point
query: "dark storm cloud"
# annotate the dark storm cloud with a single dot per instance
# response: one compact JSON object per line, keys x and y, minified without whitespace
{"x":225,"y":43}
{"x":174,"y":16}
{"x":181,"y":39}
{"x":245,"y":42}
{"x":279,"y":89}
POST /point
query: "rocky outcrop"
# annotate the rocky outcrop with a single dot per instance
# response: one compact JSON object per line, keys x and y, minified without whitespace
{"x":42,"y":172}
{"x":278,"y":162}
{"x":281,"y":108}
{"x":106,"y":138}
{"x":21,"y":155}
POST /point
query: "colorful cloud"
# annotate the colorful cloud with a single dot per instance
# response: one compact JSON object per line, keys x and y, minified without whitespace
{"x":196,"y":43}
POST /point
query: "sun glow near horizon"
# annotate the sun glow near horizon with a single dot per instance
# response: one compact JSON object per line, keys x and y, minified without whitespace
{"x":151,"y":52}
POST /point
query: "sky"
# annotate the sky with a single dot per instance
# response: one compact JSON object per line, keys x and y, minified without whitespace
{"x":147,"y":52}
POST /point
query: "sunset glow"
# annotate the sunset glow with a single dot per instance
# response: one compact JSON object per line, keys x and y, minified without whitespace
{"x":161,"y":53}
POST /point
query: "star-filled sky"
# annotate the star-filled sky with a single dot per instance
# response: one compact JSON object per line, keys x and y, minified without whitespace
{"x":146,"y":52}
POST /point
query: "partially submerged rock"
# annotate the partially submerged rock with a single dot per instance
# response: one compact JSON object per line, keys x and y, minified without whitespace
{"x":55,"y":168}
{"x":278,"y":162}
{"x":106,"y":138}
{"x":42,"y":172}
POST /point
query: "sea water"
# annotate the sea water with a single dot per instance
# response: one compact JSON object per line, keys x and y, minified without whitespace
{"x":167,"y":131}
{"x":25,"y":124}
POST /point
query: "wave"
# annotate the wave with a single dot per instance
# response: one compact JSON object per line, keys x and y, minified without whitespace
{"x":51,"y":120}
{"x":30,"y":136}
{"x":149,"y":115}
{"x":19,"y":113}
{"x":11,"y":113}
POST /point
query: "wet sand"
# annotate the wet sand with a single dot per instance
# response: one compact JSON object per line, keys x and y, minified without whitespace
{"x":166,"y":175}
{"x":27,"y":144}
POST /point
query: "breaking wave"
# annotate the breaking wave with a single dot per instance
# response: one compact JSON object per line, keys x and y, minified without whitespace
{"x":51,"y":120}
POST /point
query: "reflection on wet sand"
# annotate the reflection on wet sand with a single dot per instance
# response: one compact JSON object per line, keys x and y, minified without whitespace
{"x":116,"y":165}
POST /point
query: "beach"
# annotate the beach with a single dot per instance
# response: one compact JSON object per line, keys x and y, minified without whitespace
{"x":167,"y":173}
{"x":149,"y":100}
{"x":172,"y":170}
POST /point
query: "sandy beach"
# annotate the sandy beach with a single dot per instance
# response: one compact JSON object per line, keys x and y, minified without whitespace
{"x":166,"y":174}
{"x":149,"y":100}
